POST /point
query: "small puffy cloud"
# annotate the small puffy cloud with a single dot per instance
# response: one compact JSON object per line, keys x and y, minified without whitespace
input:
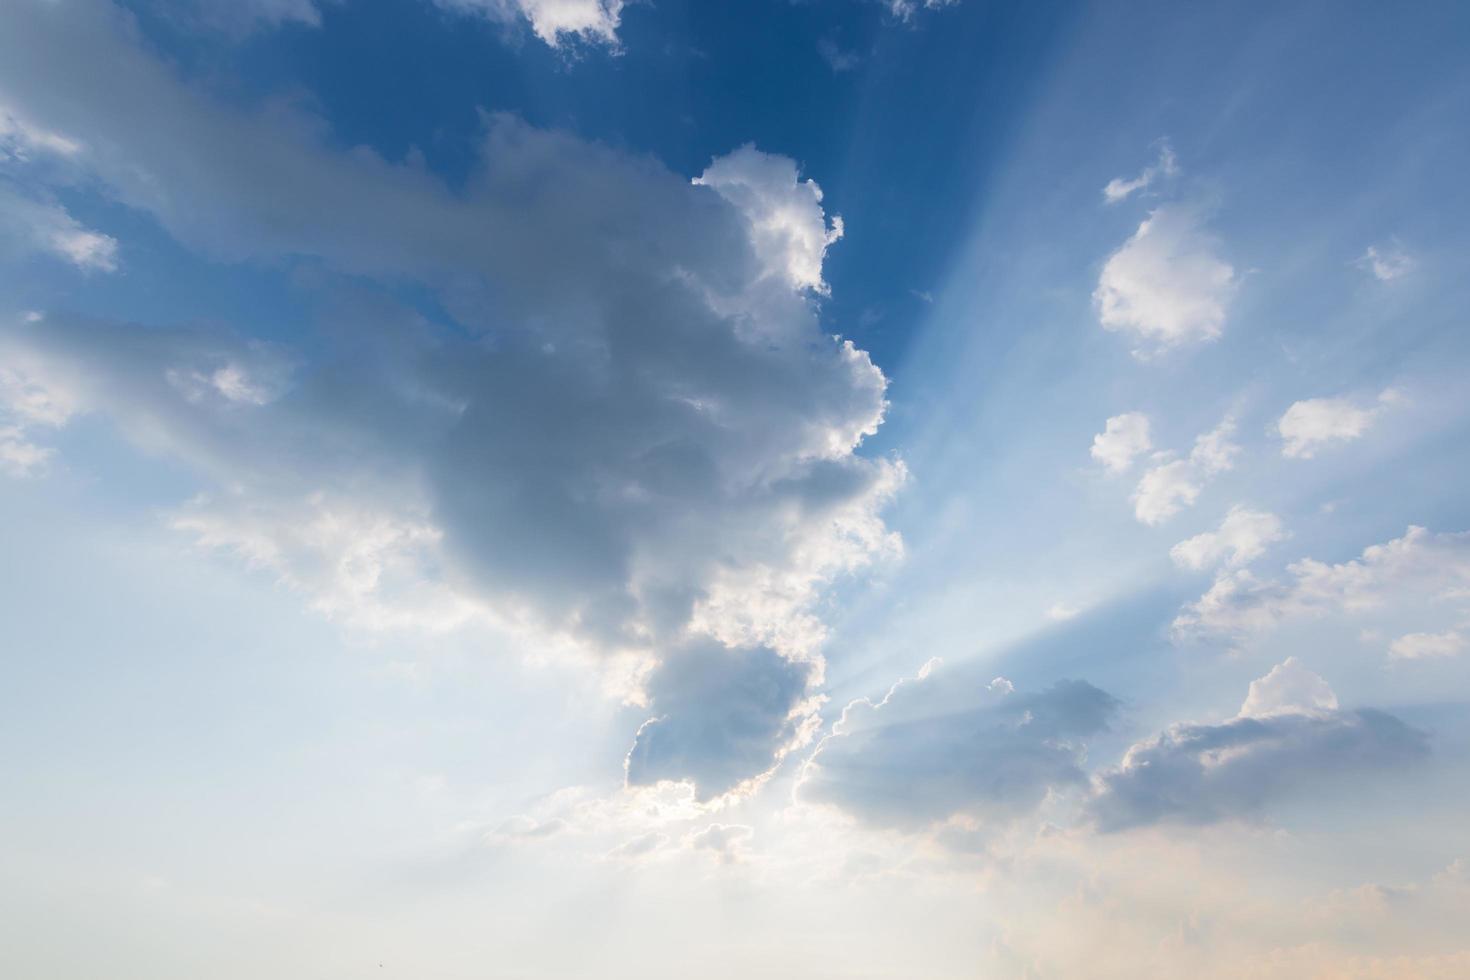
{"x":1164,"y":491}
{"x":788,"y":227}
{"x":940,"y":746}
{"x":1288,"y":687}
{"x":1119,"y":189}
{"x":1123,"y":440}
{"x":1418,"y":566}
{"x":1166,"y":286}
{"x":1314,"y":423}
{"x":1171,"y":485}
{"x":1241,"y":538}
{"x":1422,"y":646}
{"x":553,"y":21}
{"x":726,"y":718}
{"x":30,"y":225}
{"x":1386,"y":262}
{"x":1289,"y":736}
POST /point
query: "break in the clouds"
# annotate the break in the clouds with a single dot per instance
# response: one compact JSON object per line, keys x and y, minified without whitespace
{"x":939,"y":746}
{"x":1310,"y":426}
{"x":1167,"y":285}
{"x":1173,"y":483}
{"x":1289,"y":737}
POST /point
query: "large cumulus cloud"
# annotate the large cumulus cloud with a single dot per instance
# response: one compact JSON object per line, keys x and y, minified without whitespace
{"x":632,"y":433}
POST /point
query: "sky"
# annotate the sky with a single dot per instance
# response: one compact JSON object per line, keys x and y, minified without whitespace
{"x":823,"y":488}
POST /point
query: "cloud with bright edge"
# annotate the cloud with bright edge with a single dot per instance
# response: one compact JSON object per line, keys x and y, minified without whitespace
{"x":1315,"y":423}
{"x":1166,"y":285}
{"x":1290,"y":736}
{"x":939,"y":746}
{"x":639,"y":441}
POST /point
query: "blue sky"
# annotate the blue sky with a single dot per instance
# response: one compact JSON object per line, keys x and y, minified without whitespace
{"x":572,"y":488}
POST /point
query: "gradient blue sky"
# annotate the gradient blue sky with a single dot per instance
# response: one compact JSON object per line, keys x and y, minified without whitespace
{"x":842,"y":488}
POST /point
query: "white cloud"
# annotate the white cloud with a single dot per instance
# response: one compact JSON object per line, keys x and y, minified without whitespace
{"x":905,"y":9}
{"x":30,"y":225}
{"x":1241,"y":538}
{"x":1166,"y":286}
{"x":1174,"y":484}
{"x":1124,"y":439}
{"x":372,"y":570}
{"x":1386,"y":263}
{"x":28,"y":404}
{"x":1165,"y":490}
{"x":553,"y":21}
{"x":1420,"y":646}
{"x":1288,"y":688}
{"x":1309,"y":425}
{"x":1119,"y":189}
{"x":1060,"y":612}
{"x":788,"y":228}
{"x":1417,"y":567}
{"x":20,"y":139}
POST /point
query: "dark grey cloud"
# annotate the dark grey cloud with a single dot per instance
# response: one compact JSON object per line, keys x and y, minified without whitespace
{"x":635,"y":432}
{"x":1290,"y":737}
{"x":724,"y":716}
{"x":937,"y":747}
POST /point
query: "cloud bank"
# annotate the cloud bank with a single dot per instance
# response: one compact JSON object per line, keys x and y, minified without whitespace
{"x":1290,"y":736}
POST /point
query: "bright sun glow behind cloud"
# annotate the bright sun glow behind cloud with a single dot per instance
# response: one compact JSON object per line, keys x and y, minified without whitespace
{"x":583,"y":488}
